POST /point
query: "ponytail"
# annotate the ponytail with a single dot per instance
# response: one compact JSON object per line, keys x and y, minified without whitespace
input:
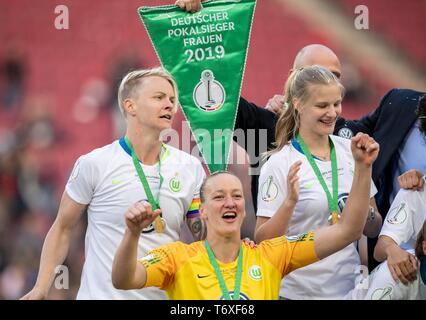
{"x":297,"y":87}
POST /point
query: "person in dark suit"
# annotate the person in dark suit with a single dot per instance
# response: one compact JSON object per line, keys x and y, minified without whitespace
{"x":388,"y":124}
{"x":393,"y":124}
{"x":258,"y":124}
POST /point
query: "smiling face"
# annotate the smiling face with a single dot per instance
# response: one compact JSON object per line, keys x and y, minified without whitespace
{"x":223,"y":205}
{"x":153,"y":103}
{"x":318,"y":114}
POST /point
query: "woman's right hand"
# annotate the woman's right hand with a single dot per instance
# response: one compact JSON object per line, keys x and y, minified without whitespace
{"x":140,"y":216}
{"x":402,"y":265}
{"x":293,"y":182}
{"x":412,"y":179}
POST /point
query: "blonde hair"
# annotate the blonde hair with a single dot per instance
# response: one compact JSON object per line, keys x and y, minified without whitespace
{"x":131,"y":80}
{"x":297,"y":87}
{"x":206,"y":181}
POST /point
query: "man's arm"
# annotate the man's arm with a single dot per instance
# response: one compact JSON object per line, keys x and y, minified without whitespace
{"x":251,"y":116}
{"x":367,"y":124}
{"x":250,"y":120}
{"x":127,"y":272}
{"x":276,"y":104}
{"x":56,"y":245}
{"x":331,"y":239}
{"x":189,"y":5}
{"x":354,"y":126}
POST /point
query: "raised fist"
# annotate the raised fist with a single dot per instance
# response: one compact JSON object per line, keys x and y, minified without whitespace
{"x":364,"y":149}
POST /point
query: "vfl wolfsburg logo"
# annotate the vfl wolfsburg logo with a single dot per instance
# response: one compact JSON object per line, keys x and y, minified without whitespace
{"x":400,"y":214}
{"x":345,"y":133}
{"x":175,"y":184}
{"x":269,"y":190}
{"x":341,"y":200}
{"x":209,"y":94}
{"x":255,"y":273}
{"x":382,"y":293}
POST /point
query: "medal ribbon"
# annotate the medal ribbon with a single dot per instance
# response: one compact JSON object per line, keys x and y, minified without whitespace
{"x":153,"y":201}
{"x":237,"y":285}
{"x":332,"y":200}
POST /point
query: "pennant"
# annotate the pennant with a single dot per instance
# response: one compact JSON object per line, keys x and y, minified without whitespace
{"x":206,"y":54}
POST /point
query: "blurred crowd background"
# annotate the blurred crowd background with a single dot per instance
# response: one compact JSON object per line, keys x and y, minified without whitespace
{"x":58,"y":93}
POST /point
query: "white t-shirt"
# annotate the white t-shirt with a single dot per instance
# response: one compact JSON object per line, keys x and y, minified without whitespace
{"x":405,"y":217}
{"x":383,"y":287}
{"x":380,"y":285}
{"x":334,"y":276}
{"x":403,"y":224}
{"x":107,"y":181}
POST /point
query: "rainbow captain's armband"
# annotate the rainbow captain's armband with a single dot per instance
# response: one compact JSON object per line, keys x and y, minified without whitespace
{"x":194,"y":208}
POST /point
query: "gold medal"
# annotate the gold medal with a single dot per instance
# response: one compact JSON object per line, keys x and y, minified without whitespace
{"x":334,"y":217}
{"x":159,"y":224}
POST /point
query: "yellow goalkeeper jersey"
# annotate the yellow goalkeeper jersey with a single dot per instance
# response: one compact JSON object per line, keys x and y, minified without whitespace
{"x":185,"y":272}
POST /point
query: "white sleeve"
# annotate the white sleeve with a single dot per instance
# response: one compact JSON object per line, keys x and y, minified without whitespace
{"x":398,"y":224}
{"x":200,"y":175}
{"x":381,"y":285}
{"x":272,"y":189}
{"x":194,"y":204}
{"x":81,"y":183}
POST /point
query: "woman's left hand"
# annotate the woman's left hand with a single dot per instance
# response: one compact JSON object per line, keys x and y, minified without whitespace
{"x":364,"y":149}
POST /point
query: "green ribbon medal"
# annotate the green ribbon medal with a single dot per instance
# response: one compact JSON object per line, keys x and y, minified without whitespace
{"x":159,"y":223}
{"x":237,"y":285}
{"x":205,"y":52}
{"x":332,"y":200}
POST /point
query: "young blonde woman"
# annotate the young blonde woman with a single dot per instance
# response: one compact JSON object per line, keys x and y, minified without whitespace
{"x":325,"y":168}
{"x":106,"y":181}
{"x":224,"y":268}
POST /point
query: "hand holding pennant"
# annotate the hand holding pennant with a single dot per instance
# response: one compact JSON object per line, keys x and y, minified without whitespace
{"x":206,"y":53}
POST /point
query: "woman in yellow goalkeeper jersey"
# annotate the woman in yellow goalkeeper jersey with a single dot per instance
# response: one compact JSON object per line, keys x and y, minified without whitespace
{"x":222,"y":267}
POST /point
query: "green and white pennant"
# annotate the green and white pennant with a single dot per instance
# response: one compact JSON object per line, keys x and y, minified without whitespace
{"x":206,"y":53}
